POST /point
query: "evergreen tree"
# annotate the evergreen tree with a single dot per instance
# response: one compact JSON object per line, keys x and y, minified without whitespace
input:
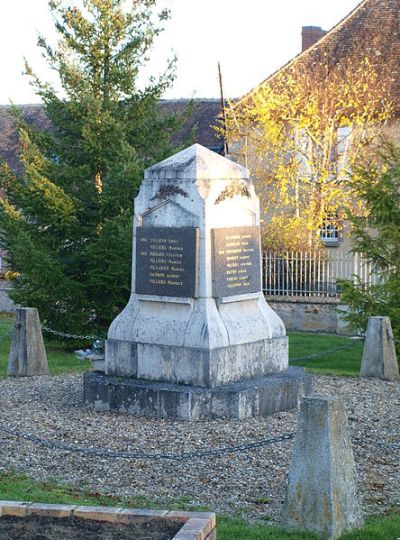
{"x":377,"y":236}
{"x":67,"y":221}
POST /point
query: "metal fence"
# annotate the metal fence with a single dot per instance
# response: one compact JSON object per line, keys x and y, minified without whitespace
{"x":314,"y":273}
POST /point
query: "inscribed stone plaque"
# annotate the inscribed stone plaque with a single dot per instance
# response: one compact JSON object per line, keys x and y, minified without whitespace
{"x":166,"y":261}
{"x":236,"y":261}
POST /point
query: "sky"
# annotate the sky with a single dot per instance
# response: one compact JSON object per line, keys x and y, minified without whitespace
{"x":251,"y":39}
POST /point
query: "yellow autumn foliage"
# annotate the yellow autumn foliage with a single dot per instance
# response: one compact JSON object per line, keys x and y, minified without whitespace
{"x":300,"y":134}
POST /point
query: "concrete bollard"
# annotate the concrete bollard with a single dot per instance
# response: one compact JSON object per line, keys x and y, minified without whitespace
{"x":379,"y":357}
{"x":27,"y":353}
{"x":321,"y":496}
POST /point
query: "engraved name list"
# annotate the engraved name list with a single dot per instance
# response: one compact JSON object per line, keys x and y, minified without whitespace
{"x":166,"y":261}
{"x":236,"y":261}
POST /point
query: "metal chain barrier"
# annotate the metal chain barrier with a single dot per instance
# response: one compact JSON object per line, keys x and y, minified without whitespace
{"x":56,"y":333}
{"x":294,"y":359}
{"x":69,"y":336}
{"x":215,"y":452}
{"x":389,"y":446}
{"x":58,"y":445}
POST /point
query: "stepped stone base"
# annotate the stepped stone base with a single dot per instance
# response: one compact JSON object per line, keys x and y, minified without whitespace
{"x":248,"y":399}
{"x":193,"y":366}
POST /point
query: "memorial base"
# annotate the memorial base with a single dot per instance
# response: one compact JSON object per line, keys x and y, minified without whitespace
{"x":249,"y":399}
{"x":191,"y":366}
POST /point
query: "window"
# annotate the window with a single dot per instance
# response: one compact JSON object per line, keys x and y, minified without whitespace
{"x":343,"y":146}
{"x":330,"y":232}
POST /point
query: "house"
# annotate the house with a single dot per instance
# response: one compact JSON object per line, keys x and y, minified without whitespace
{"x":368,"y":38}
{"x":301,"y":287}
{"x":202,"y":116}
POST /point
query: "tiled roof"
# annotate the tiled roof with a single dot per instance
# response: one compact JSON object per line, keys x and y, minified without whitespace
{"x":8,"y":133}
{"x":371,"y":30}
{"x":203,"y":116}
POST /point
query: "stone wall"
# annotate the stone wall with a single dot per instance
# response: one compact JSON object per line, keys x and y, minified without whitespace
{"x":6,"y":304}
{"x":309,"y":314}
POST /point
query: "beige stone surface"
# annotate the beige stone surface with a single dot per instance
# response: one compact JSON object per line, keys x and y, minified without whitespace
{"x":196,"y":178}
{"x":201,"y":528}
{"x":13,"y":508}
{"x":379,"y":357}
{"x":53,"y":510}
{"x":321,"y":496}
{"x":127,"y":516}
{"x":100,"y":513}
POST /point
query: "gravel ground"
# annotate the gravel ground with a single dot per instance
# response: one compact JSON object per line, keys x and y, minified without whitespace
{"x":251,"y":483}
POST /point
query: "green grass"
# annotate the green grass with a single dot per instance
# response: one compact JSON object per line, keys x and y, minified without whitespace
{"x":345,"y":362}
{"x":376,"y":528}
{"x":59,"y":359}
{"x":16,"y":487}
{"x":237,"y":529}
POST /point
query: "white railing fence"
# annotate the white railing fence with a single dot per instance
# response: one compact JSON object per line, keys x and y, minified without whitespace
{"x":313,"y":273}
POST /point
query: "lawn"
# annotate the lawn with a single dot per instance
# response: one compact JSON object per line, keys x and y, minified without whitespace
{"x":59,"y":359}
{"x":344,"y":362}
{"x":21,"y":488}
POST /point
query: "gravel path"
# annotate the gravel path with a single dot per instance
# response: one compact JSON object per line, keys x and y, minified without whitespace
{"x":251,"y":483}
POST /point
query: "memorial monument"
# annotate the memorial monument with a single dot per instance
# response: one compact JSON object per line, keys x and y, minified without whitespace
{"x":197,"y":338}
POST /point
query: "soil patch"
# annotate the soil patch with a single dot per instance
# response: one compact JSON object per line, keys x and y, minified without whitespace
{"x":73,"y":528}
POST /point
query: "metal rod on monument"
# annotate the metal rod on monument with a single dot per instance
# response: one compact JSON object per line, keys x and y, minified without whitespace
{"x":226,"y":150}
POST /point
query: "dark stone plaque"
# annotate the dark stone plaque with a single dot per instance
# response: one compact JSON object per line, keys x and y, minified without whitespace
{"x":166,"y":261}
{"x":236,"y":261}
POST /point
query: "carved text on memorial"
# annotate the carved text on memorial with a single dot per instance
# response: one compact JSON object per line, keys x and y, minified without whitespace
{"x":166,"y":261}
{"x":236,"y":261}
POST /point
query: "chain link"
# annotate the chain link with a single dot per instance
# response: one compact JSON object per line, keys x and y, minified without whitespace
{"x":69,"y":336}
{"x":58,"y":445}
{"x":56,"y":333}
{"x":296,"y":358}
{"x":293,"y":359}
{"x":194,"y":454}
{"x":390,"y":446}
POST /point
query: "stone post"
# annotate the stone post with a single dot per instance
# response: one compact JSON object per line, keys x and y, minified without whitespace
{"x":27,"y":353}
{"x":321,"y":496}
{"x":379,"y":356}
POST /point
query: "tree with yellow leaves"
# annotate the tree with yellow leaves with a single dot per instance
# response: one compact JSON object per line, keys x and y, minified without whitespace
{"x":300,"y":134}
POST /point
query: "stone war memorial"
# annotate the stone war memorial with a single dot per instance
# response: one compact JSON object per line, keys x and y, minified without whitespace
{"x":197,"y":338}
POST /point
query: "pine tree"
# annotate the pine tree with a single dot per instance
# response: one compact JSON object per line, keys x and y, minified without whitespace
{"x":376,"y":234}
{"x":67,"y":221}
